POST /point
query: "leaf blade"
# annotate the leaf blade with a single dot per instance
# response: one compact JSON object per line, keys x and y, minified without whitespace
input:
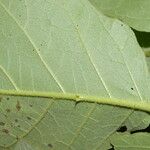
{"x":134,"y":13}
{"x":55,"y":36}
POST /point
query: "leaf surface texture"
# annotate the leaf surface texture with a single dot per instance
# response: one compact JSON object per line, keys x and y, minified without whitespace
{"x":66,"y":46}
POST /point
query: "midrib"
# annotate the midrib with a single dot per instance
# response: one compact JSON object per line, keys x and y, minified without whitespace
{"x":126,"y":103}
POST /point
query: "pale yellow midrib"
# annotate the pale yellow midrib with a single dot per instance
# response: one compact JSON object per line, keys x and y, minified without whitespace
{"x":126,"y":103}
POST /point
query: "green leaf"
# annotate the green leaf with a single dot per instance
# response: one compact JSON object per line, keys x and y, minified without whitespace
{"x":147,"y":55}
{"x":143,"y":39}
{"x":148,"y":62}
{"x":131,"y":141}
{"x":64,"y":69}
{"x":134,"y":12}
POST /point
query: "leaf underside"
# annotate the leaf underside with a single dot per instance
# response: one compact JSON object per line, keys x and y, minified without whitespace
{"x":67,"y":46}
{"x":133,"y":12}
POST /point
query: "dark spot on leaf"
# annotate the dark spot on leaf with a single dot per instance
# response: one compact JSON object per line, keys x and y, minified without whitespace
{"x":77,"y":25}
{"x":5,"y":131}
{"x":2,"y":123}
{"x":50,"y":145}
{"x":122,"y":129}
{"x":31,"y":105}
{"x":142,"y":130}
{"x":16,"y":120}
{"x":41,"y":44}
{"x":5,"y":115}
{"x":77,"y":96}
{"x":33,"y":49}
{"x":132,"y":88}
{"x":121,"y":24}
{"x":18,"y":106}
{"x":8,"y":110}
{"x":29,"y":118}
{"x":11,"y":125}
{"x":18,"y":126}
{"x":7,"y":98}
{"x":17,"y":138}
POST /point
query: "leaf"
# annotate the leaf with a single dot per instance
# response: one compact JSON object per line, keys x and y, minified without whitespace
{"x":58,"y":60}
{"x":143,"y":39}
{"x":131,"y":141}
{"x":135,"y":13}
{"x":148,"y":62}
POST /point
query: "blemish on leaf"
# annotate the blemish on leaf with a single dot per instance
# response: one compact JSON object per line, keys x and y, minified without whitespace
{"x":7,"y":98}
{"x":2,"y":123}
{"x":29,"y":118}
{"x":16,"y":120}
{"x":8,"y":110}
{"x":5,"y":131}
{"x":77,"y":96}
{"x":30,"y":105}
{"x":50,"y":145}
{"x":17,"y":138}
{"x":18,"y":126}
{"x":18,"y":106}
{"x":5,"y":115}
{"x":132,"y":88}
{"x":11,"y":124}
